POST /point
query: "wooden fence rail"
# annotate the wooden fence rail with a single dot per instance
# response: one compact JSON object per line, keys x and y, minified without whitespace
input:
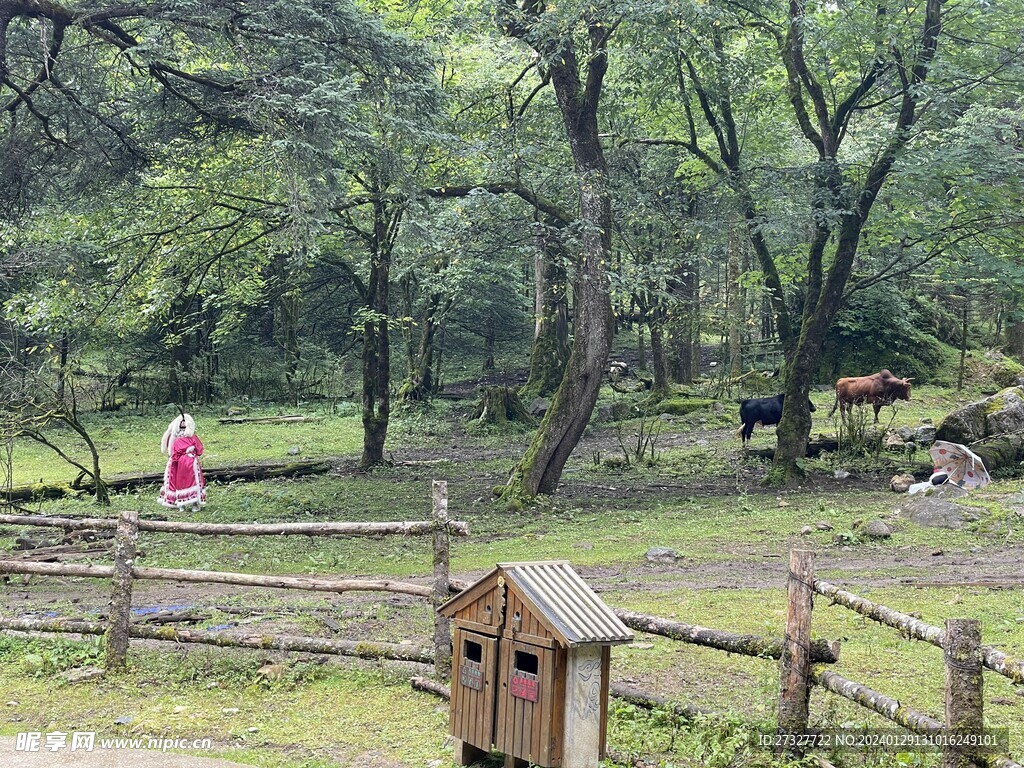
{"x":822,"y":651}
{"x":415,"y":528}
{"x":358,"y":648}
{"x":308,"y":583}
{"x":912,"y":627}
{"x":118,"y":628}
{"x":798,"y":653}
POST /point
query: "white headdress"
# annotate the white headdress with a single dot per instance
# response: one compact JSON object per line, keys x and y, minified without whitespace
{"x":182,"y":426}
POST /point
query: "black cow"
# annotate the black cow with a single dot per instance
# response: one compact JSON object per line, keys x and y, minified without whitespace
{"x":761,"y":410}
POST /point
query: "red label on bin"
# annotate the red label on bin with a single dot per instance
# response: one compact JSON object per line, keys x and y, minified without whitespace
{"x":524,"y":687}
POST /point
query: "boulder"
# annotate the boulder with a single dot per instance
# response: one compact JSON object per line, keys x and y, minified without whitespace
{"x":933,"y":508}
{"x":964,"y":425}
{"x":876,"y":529}
{"x":1005,"y":412}
{"x":995,"y":415}
{"x":539,"y":407}
{"x":924,"y":435}
{"x":901,"y":483}
{"x":894,"y":442}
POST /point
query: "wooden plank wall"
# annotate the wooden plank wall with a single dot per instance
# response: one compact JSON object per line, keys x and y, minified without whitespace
{"x":526,"y":729}
{"x":472,"y":712}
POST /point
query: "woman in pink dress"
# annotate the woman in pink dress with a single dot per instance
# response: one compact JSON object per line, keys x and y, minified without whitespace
{"x":184,"y":485}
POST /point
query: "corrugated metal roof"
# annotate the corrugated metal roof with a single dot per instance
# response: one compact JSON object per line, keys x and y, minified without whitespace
{"x":565,"y":602}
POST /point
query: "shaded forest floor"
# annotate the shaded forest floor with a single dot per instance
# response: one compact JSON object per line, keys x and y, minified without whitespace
{"x":701,"y":497}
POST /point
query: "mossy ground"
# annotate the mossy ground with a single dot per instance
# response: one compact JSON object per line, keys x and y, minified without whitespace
{"x":700,"y":497}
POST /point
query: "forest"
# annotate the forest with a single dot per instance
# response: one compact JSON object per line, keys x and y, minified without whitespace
{"x":539,"y":248}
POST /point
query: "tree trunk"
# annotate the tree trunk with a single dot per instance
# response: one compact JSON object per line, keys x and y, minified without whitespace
{"x":1014,"y":339}
{"x":823,"y":301}
{"x":420,"y":385}
{"x":62,"y":366}
{"x":376,"y":342}
{"x":288,"y":308}
{"x":684,"y":325}
{"x":563,"y":424}
{"x":550,"y":350}
{"x":658,"y":359}
{"x":965,"y":315}
{"x":734,"y":308}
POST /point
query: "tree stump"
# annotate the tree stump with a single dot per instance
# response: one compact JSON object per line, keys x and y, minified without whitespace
{"x":499,"y":405}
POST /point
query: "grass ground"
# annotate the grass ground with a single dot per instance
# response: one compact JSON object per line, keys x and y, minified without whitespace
{"x":701,"y":498}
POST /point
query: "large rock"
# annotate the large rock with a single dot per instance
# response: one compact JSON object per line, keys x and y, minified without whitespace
{"x":539,"y":407}
{"x":999,"y":414}
{"x":1005,"y":412}
{"x":924,"y":435}
{"x":934,"y":508}
{"x":964,"y":425}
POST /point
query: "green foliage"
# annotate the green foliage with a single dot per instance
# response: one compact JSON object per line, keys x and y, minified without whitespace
{"x":878,"y":329}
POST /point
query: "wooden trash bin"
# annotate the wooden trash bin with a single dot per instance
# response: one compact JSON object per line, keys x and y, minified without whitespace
{"x":531,"y":658}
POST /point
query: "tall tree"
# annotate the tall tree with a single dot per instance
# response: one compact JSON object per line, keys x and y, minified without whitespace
{"x":577,"y":76}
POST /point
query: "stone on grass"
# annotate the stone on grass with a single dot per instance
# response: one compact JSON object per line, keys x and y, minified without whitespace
{"x":821,"y":525}
{"x":876,"y":529}
{"x":806,"y":530}
{"x":901,"y":483}
{"x":661,"y":555}
{"x":924,"y":435}
{"x":840,"y":474}
{"x":294,"y":450}
{"x":934,"y":510}
{"x":83,"y":674}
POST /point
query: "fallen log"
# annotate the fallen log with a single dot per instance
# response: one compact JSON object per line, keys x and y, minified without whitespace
{"x":916,"y":629}
{"x":357,"y":648}
{"x":644,"y":700}
{"x":170,"y":617}
{"x":427,"y":685}
{"x":62,"y":552}
{"x":307,"y":583}
{"x":813,"y":449}
{"x":414,"y":528}
{"x":294,"y":419}
{"x":127,"y":482}
{"x":822,"y":651}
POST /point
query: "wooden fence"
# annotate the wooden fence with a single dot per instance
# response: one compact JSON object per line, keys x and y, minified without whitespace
{"x":798,"y":654}
{"x":965,"y":658}
{"x":118,"y":629}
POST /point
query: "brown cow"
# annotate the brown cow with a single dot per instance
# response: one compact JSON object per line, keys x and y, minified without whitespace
{"x":878,"y":389}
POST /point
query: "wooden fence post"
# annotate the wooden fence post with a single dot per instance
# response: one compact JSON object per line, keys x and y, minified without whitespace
{"x":120,"y":611}
{"x":964,"y":703}
{"x":442,"y":559}
{"x":795,"y":667}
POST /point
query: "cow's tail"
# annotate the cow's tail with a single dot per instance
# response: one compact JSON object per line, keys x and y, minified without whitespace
{"x":835,"y":404}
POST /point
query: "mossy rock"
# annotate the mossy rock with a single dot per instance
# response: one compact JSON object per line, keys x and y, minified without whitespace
{"x":999,"y":414}
{"x":680,"y":406}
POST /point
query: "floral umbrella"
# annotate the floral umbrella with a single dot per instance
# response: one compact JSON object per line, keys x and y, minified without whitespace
{"x":964,"y":467}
